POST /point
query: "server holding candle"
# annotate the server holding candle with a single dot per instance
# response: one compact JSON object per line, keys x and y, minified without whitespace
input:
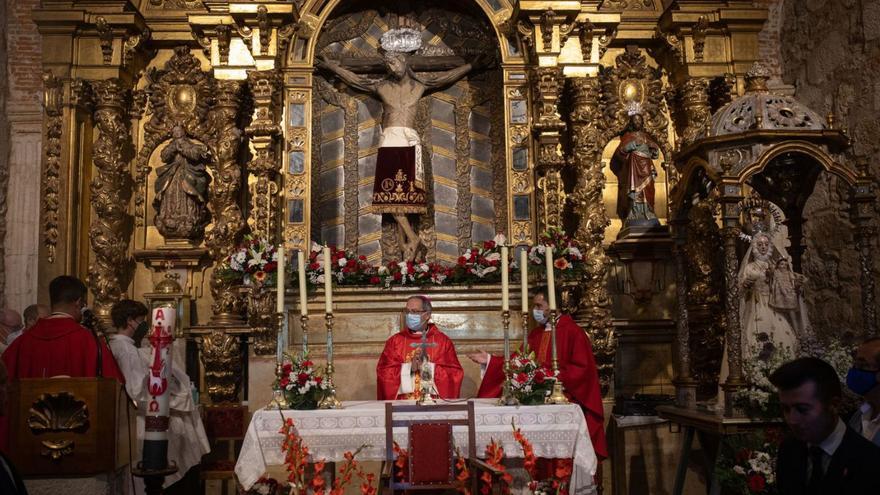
{"x":577,"y":365}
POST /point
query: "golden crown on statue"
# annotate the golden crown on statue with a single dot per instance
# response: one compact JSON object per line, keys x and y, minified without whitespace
{"x":633,"y":108}
{"x":401,"y":40}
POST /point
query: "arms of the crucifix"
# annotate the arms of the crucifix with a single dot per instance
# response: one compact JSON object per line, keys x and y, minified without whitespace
{"x":449,"y":77}
{"x":347,"y":76}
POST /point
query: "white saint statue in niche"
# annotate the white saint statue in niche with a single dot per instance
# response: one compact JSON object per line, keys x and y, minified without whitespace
{"x":771,"y":308}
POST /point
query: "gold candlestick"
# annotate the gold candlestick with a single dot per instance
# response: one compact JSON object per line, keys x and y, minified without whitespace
{"x":558,"y":395}
{"x":278,"y":401}
{"x":304,"y":326}
{"x":507,"y":397}
{"x":330,"y":401}
{"x":525,"y":325}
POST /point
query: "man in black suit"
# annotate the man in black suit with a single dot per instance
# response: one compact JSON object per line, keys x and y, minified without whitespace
{"x":10,"y":481}
{"x":823,"y":456}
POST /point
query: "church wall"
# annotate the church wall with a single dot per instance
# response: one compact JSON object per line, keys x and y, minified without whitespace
{"x":21,"y":146}
{"x":829,"y":50}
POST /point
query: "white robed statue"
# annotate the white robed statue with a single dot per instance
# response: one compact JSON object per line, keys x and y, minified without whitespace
{"x":771,"y":308}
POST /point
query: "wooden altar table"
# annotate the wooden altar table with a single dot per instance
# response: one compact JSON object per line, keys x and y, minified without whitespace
{"x":556,"y":431}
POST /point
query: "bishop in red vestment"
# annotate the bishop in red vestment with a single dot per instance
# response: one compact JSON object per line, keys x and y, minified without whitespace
{"x":577,"y":369}
{"x":59,"y":345}
{"x":401,"y":358}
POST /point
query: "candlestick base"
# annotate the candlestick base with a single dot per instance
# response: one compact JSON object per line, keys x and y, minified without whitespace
{"x":330,"y":401}
{"x":557,"y":396}
{"x":278,"y":401}
{"x":507,"y":397}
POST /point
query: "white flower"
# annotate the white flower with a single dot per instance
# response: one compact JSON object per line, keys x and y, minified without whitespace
{"x":494,"y":257}
{"x":500,"y":240}
{"x":739,"y":470}
{"x":239,"y":257}
{"x":383,"y":270}
{"x":575,"y":252}
{"x":402,"y":265}
{"x":542,"y":249}
{"x":342,"y":262}
{"x":423,"y":267}
{"x":315,"y":247}
{"x":320,"y":279}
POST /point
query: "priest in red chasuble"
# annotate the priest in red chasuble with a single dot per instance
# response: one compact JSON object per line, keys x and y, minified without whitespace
{"x":577,"y":367}
{"x":397,"y":373}
{"x":58,"y":345}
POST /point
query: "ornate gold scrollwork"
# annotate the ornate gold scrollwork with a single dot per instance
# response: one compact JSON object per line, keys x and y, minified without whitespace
{"x":699,"y":34}
{"x":587,"y":138}
{"x":109,"y":199}
{"x":52,"y":105}
{"x":262,"y":319}
{"x":264,"y":132}
{"x":695,"y":100}
{"x":221,"y":356}
{"x":228,"y":221}
{"x":105,"y":34}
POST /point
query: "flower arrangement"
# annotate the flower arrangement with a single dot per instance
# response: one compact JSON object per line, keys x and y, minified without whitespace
{"x":303,"y":386}
{"x":531,"y":382}
{"x":481,"y":263}
{"x":561,"y":475}
{"x":746,"y":463}
{"x":494,"y":458}
{"x":296,"y":457}
{"x":568,"y":260}
{"x":254,"y":263}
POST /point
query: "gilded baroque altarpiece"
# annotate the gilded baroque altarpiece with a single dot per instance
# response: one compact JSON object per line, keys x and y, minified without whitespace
{"x":174,"y":127}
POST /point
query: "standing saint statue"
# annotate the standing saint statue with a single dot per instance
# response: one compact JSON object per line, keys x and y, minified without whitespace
{"x":182,"y":188}
{"x":772,"y":307}
{"x":633,"y":164}
{"x":399,"y":184}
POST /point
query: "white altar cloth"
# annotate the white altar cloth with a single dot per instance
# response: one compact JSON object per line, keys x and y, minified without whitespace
{"x":555,"y":431}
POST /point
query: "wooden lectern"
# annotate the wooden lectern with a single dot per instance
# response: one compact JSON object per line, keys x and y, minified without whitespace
{"x":68,"y":426}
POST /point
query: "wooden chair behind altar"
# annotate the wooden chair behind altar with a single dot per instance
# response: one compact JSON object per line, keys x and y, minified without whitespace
{"x":67,"y":426}
{"x":431,"y":456}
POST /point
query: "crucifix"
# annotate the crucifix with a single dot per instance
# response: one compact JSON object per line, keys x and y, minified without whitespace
{"x":399,"y":183}
{"x":422,"y":363}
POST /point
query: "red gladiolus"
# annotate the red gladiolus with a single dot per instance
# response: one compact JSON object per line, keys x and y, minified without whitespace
{"x":757,"y":483}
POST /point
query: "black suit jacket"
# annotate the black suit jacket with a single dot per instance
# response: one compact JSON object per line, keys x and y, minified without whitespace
{"x":854,"y":467}
{"x":13,"y":485}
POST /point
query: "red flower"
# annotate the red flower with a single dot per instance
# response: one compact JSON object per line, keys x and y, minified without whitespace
{"x":284,"y":382}
{"x":352,"y":263}
{"x":522,"y":377}
{"x":286,"y":368}
{"x":318,"y":380}
{"x":397,"y":276}
{"x":302,"y":377}
{"x":462,"y":261}
{"x":375,"y":280}
{"x":314,"y":266}
{"x":489,"y":245}
{"x":757,"y":483}
{"x":539,"y":377}
{"x":307,"y":364}
{"x":561,"y":263}
{"x":362,"y":258}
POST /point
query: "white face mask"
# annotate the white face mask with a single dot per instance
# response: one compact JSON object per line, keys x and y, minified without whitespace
{"x":538,"y":315}
{"x":414,"y":322}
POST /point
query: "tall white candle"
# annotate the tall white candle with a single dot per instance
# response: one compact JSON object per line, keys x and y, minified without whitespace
{"x":328,"y":282}
{"x":505,"y":280}
{"x":551,"y":282}
{"x":280,"y":278}
{"x":524,"y":277}
{"x":158,"y":404}
{"x":301,"y":268}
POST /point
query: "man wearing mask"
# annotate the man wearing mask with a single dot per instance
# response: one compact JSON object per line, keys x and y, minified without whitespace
{"x":187,"y":442}
{"x":397,"y":373}
{"x":863,"y":380}
{"x":577,"y":367}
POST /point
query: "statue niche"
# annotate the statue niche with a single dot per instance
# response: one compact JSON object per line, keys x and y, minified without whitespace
{"x":182,"y":188}
{"x":411,"y":153}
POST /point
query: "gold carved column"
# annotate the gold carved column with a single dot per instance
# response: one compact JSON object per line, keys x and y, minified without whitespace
{"x":548,"y":127}
{"x":225,"y":191}
{"x":587,"y":139}
{"x":109,"y":198}
{"x":694,"y":94}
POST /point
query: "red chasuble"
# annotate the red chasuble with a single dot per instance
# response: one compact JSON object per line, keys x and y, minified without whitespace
{"x":53,"y":347}
{"x":398,"y":350}
{"x":58,"y":346}
{"x":577,"y":370}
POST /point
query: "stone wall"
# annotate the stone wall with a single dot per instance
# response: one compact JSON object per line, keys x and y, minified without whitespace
{"x":21,"y":152}
{"x":829,"y":50}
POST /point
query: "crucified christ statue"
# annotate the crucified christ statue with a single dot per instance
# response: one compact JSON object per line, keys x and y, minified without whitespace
{"x":399,"y":187}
